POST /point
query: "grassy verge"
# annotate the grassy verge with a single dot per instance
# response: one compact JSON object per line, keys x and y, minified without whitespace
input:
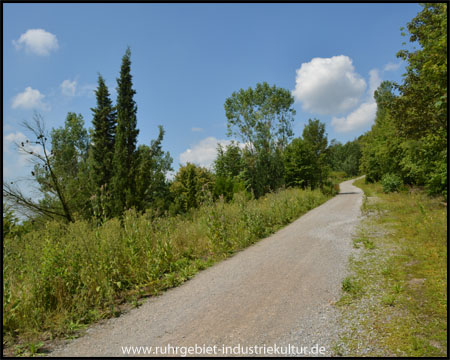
{"x":63,"y":277}
{"x":395,"y":300}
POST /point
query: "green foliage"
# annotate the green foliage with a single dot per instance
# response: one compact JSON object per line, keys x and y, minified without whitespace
{"x":103,"y":137}
{"x":229,"y":167}
{"x":65,"y":172}
{"x":422,"y":108}
{"x":305,"y":159}
{"x":9,"y":220}
{"x":263,"y":171}
{"x":402,"y":310}
{"x":262,"y":118}
{"x":345,"y":158}
{"x":191,"y":186}
{"x":229,"y":162}
{"x":391,"y":183}
{"x":68,"y":274}
{"x":351,"y":285}
{"x":315,"y":137}
{"x":409,"y":137}
{"x":153,"y":164}
{"x":124,"y":160}
{"x":298,"y":163}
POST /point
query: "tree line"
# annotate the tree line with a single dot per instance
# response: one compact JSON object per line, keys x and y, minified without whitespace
{"x":102,"y":172}
{"x":98,"y":174}
{"x":408,"y":141}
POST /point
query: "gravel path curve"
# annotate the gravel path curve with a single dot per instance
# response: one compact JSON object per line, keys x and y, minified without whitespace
{"x":279,"y":291}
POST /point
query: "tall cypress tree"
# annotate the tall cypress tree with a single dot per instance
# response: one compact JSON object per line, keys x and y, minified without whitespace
{"x":124,"y":160}
{"x":104,"y":122}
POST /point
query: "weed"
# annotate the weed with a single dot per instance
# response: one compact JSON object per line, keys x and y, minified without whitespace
{"x":59,"y":278}
{"x":351,"y":285}
{"x":389,"y":299}
{"x":403,"y":309}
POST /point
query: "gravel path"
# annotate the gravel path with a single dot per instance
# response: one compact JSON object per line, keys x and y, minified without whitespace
{"x":279,"y":291}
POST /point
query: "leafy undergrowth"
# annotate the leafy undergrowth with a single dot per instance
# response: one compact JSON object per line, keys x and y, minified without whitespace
{"x":395,"y":300}
{"x":63,"y":277}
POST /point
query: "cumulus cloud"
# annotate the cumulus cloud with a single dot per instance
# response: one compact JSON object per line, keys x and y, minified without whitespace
{"x":30,"y":99}
{"x":37,"y":41}
{"x":391,"y":66}
{"x":328,"y":85}
{"x":68,"y":87}
{"x":365,"y":114}
{"x":203,"y":153}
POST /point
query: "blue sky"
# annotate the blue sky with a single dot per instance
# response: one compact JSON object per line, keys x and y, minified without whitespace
{"x":188,"y":58}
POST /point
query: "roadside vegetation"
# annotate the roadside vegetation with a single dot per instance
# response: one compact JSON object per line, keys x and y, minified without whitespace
{"x":64,"y":276}
{"x":394,"y":300}
{"x":108,"y":225}
{"x":408,"y":142}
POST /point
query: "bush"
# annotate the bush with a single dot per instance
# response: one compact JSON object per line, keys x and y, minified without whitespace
{"x":391,"y":183}
{"x":65,"y":274}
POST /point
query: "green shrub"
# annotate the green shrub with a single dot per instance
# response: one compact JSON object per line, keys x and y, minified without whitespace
{"x":391,"y":183}
{"x":76,"y":273}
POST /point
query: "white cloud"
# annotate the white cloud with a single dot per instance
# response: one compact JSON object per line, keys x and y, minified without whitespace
{"x":16,"y":162}
{"x":391,"y":66}
{"x":362,"y":116}
{"x":203,"y":153}
{"x":30,"y":99}
{"x":72,"y":88}
{"x":37,"y":41}
{"x":328,"y":85}
{"x":12,"y":138}
{"x":197,"y":129}
{"x":374,"y":82}
{"x":68,"y":87}
{"x":18,"y":138}
{"x":365,"y":114}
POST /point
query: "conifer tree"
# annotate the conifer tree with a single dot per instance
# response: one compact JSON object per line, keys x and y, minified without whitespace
{"x":124,"y":160}
{"x":103,"y":135}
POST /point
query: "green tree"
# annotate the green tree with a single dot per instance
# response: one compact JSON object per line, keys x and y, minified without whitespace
{"x":152,"y":187}
{"x":190,"y":187}
{"x":422,"y":107}
{"x":345,"y":157}
{"x":124,"y":159}
{"x":315,"y":137}
{"x":262,"y":118}
{"x":69,"y":151}
{"x":228,"y":162}
{"x":409,"y":137}
{"x":59,"y":172}
{"x":380,"y":147}
{"x":299,"y":164}
{"x":102,"y":146}
{"x":228,"y":166}
{"x":420,"y":112}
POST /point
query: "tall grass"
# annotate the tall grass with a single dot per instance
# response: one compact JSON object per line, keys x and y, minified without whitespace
{"x":65,"y":275}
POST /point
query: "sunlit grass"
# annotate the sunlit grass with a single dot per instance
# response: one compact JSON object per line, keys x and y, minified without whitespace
{"x":404,"y":277}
